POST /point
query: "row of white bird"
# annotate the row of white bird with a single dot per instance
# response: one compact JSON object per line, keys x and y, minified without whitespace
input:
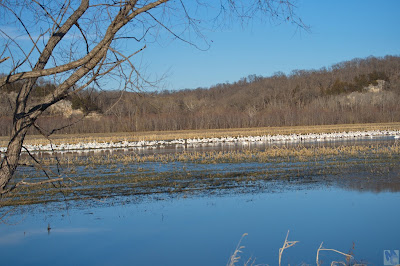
{"x":197,"y":141}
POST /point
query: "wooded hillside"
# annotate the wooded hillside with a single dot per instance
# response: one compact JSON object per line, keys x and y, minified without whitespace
{"x":356,"y":91}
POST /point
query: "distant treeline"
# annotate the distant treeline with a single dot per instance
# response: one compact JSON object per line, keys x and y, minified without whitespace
{"x":340,"y":94}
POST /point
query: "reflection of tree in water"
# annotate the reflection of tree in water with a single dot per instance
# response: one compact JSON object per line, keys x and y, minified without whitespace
{"x":372,"y":182}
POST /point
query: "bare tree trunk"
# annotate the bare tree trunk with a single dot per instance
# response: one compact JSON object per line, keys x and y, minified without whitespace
{"x":10,"y":161}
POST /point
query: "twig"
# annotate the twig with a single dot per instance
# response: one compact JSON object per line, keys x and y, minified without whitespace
{"x":40,"y":183}
{"x":334,"y":263}
{"x":6,"y":213}
{"x":32,"y":184}
{"x":286,"y":244}
{"x":329,"y":249}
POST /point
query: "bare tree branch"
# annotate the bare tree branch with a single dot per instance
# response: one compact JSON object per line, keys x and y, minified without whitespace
{"x":23,"y":183}
{"x":4,"y":59}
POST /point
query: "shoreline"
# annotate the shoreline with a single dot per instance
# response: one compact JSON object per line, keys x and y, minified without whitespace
{"x":277,"y":138}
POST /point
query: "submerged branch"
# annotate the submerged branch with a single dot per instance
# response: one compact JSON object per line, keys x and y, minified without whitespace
{"x":31,"y":184}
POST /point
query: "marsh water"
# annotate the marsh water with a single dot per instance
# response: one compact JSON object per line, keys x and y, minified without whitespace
{"x":352,"y":207}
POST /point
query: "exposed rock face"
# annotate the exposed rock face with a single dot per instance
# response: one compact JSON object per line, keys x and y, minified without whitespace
{"x":94,"y":116}
{"x":64,"y":107}
{"x":368,"y":98}
{"x":376,"y":88}
{"x":373,"y":94}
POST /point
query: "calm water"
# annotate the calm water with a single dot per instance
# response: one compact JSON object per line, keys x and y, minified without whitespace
{"x":205,"y":230}
{"x":348,"y":213}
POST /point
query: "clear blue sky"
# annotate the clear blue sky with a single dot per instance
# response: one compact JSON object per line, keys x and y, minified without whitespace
{"x":340,"y":30}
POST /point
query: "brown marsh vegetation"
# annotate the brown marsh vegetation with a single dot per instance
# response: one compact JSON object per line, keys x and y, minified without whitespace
{"x":188,"y":173}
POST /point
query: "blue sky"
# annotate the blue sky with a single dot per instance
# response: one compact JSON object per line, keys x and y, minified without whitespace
{"x":340,"y":30}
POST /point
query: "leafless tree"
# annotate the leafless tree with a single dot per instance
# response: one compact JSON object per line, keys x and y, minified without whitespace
{"x":80,"y":43}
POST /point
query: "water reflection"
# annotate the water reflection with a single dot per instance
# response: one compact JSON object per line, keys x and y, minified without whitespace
{"x":390,"y":183}
{"x":205,"y":230}
{"x":18,"y":237}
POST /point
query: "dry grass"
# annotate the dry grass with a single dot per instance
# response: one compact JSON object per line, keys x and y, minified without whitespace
{"x":235,"y":257}
{"x":298,"y":153}
{"x":210,"y":133}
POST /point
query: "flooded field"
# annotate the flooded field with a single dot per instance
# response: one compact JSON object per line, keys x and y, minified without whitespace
{"x":191,"y":205}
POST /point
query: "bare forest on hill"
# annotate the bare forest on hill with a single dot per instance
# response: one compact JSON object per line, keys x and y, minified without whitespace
{"x":356,"y":91}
